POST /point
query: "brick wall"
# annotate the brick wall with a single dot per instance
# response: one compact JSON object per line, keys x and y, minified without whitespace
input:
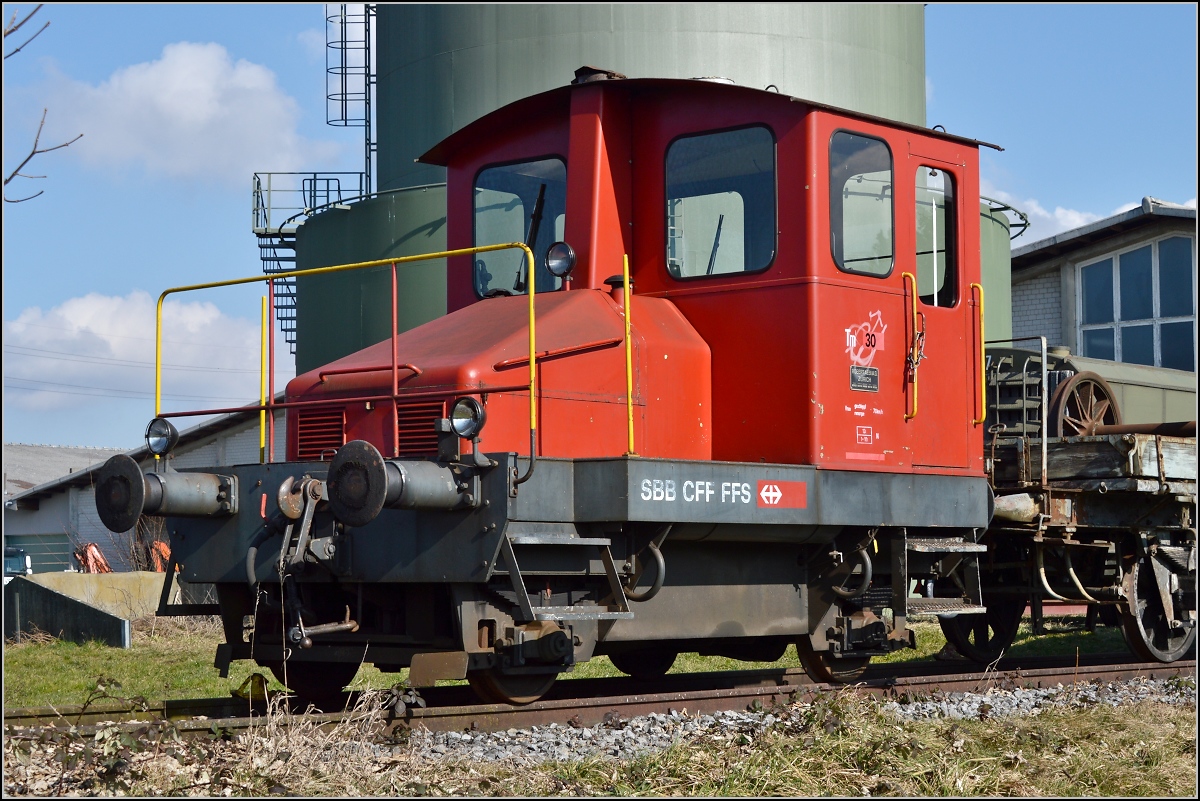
{"x":1037,"y":308}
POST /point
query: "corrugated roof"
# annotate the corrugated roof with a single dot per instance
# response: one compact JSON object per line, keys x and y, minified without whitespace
{"x":27,"y":466}
{"x":1050,"y":247}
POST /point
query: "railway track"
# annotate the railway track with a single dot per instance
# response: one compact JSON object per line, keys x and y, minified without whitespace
{"x":586,"y":702}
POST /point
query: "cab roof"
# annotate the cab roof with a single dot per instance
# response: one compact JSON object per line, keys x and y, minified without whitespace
{"x":558,"y":100}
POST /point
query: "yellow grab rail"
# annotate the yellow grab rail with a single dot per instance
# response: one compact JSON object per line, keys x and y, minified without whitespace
{"x":266,"y":404}
{"x":982,"y":363}
{"x":262,"y":384}
{"x":914,"y":347}
{"x":627,"y":291}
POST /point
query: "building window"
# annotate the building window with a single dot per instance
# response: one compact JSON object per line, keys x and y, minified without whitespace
{"x":1138,"y":306}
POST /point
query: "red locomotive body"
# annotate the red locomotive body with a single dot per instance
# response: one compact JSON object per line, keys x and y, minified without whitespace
{"x":792,"y":327}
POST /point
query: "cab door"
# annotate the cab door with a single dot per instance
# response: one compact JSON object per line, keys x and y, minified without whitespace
{"x":939,"y":261}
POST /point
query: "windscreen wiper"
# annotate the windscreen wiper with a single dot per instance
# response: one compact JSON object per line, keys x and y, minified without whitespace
{"x":535,"y":222}
{"x":712,"y":257}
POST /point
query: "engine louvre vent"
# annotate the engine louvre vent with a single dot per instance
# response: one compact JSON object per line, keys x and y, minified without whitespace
{"x":319,"y":432}
{"x":416,"y":421}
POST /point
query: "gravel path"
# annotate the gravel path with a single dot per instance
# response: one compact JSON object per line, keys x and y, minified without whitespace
{"x":625,"y":739}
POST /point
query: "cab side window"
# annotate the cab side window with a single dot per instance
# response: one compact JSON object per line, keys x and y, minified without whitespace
{"x":861,"y":222}
{"x":937,"y":238}
{"x":721,"y":203}
{"x":522,"y":202}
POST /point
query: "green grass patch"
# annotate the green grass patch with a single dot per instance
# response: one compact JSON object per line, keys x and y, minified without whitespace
{"x":172,"y":658}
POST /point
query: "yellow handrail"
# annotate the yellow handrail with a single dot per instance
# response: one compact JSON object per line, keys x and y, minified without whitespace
{"x":262,"y":384}
{"x":627,"y":291}
{"x":913,"y":348}
{"x":444,"y":254}
{"x":982,"y":363}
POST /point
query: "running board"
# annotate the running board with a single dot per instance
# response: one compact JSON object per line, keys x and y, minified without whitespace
{"x":943,"y":606}
{"x":964,"y":564}
{"x":618,"y":610}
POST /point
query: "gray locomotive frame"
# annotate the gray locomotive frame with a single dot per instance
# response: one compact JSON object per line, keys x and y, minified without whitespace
{"x":403,"y":545}
{"x":749,"y":551}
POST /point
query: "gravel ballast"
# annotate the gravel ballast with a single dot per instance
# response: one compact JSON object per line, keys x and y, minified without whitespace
{"x":627,"y":739}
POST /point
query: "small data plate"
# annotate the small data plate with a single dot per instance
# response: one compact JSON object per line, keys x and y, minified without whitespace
{"x":864,"y":379}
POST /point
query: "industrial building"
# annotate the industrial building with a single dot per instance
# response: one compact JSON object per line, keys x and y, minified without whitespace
{"x":1121,"y":288}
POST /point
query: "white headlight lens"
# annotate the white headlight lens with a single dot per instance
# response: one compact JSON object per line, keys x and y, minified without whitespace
{"x":560,"y":259}
{"x":467,"y":418}
{"x":161,"y":436}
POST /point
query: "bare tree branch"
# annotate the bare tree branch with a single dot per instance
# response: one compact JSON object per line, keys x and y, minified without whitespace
{"x":34,"y":152}
{"x":27,"y":41}
{"x":13,"y":26}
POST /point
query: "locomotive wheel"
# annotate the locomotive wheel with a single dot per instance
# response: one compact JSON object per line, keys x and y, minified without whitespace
{"x":509,"y":688}
{"x":824,"y":667}
{"x":983,"y":638}
{"x":1080,"y":404}
{"x":1144,"y":621}
{"x":319,"y":683}
{"x":643,"y":665}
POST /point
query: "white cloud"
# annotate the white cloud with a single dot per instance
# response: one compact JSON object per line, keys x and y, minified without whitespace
{"x":1191,"y":204}
{"x":1042,"y":222}
{"x":194,"y":113}
{"x":99,"y":346}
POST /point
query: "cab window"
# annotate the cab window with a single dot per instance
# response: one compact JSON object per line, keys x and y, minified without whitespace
{"x":937,"y":228}
{"x":861,"y":223}
{"x":521,"y":202}
{"x":721,"y":203}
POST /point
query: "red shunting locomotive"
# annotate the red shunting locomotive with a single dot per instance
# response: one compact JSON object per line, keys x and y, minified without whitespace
{"x":725,"y":391}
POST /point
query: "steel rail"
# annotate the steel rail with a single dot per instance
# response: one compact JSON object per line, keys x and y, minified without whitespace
{"x":586,"y":702}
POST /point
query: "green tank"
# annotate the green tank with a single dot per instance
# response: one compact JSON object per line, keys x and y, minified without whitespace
{"x":440,"y":67}
{"x":340,"y":313}
{"x":995,"y":258}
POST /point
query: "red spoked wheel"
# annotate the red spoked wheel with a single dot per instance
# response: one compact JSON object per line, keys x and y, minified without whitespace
{"x":1081,"y":404}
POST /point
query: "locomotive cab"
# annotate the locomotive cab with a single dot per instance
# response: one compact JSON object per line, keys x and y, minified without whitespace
{"x":710,"y":380}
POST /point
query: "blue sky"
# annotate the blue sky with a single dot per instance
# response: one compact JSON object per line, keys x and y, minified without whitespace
{"x":1095,"y":105}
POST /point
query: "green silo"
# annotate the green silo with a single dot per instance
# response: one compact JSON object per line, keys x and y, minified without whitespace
{"x":439,"y":67}
{"x":996,"y":262}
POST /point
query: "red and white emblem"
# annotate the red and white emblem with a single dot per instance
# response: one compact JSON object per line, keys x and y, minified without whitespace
{"x":783,"y":494}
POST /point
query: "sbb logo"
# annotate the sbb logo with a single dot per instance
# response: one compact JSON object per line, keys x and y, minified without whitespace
{"x":783,"y":494}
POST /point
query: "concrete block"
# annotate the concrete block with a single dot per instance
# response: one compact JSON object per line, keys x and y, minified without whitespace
{"x":29,"y":605}
{"x":128,"y":595}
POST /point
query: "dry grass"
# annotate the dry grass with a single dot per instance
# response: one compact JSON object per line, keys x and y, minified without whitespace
{"x":841,"y":745}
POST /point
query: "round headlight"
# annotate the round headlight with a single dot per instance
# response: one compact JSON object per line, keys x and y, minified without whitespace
{"x":161,"y":436}
{"x":467,"y":418}
{"x":560,"y":259}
